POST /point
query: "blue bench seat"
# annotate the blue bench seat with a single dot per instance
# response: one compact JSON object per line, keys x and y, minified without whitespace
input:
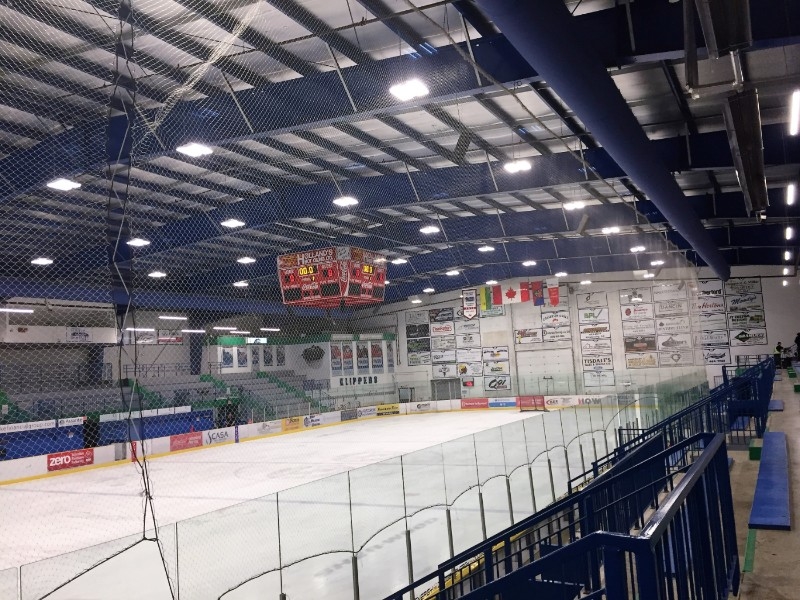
{"x":771,"y":507}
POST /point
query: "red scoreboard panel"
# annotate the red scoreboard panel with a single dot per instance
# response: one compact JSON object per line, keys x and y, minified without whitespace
{"x":328,"y":277}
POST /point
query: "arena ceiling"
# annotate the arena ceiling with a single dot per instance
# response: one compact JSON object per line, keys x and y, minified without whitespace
{"x":293,"y":99}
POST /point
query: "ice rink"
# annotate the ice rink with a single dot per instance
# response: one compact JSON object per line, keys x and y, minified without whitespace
{"x":48,"y":517}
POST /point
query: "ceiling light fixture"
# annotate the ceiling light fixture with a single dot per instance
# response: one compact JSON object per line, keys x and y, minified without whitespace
{"x":486,"y":248}
{"x":787,"y":255}
{"x":575,"y":205}
{"x":561,"y":274}
{"x":240,"y":332}
{"x":24,"y":311}
{"x":791,"y":194}
{"x":194,"y":150}
{"x":240,"y":284}
{"x":785,"y":283}
{"x":224,"y":328}
{"x":172,"y":318}
{"x":586,"y":282}
{"x":785,"y":270}
{"x":637,"y":249}
{"x":428,"y":229}
{"x":515,"y":166}
{"x":649,"y":275}
{"x":157,"y":274}
{"x":246,"y":260}
{"x":491,"y":282}
{"x":416,"y":301}
{"x":137,"y":242}
{"x":399,"y":261}
{"x":140,"y":329}
{"x":452,"y":273}
{"x":794,"y":113}
{"x":386,"y":282}
{"x":610,"y":230}
{"x":428,"y":290}
{"x":789,"y":233}
{"x":232,"y":223}
{"x":408,"y":90}
{"x":42,"y":261}
{"x":63,"y":185}
{"x":271,"y":329}
{"x":529,"y":263}
{"x":345,"y":201}
{"x":193,"y":330}
{"x":656,"y":263}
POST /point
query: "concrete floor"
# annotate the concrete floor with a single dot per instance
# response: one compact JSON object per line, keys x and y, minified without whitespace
{"x":776,"y":573}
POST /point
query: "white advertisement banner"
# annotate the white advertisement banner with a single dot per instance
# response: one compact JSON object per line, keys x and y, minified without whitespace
{"x":636,"y":296}
{"x":415,"y":359}
{"x":709,"y":321}
{"x":218,"y":436}
{"x":556,"y":334}
{"x":639,"y":327}
{"x":668,"y":308}
{"x":712,"y":337}
{"x":667,"y":325}
{"x":743,"y":285}
{"x":443,"y":356}
{"x":746,"y":302}
{"x":748,"y":337}
{"x":495,"y":353}
{"x":645,"y":360}
{"x":636,"y":312}
{"x":709,"y":287}
{"x":501,"y":382}
{"x":593,"y":315}
{"x":468,"y":327}
{"x":470,"y":369}
{"x":598,"y":363}
{"x":595,"y":331}
{"x":469,"y":355}
{"x":555,"y":318}
{"x":669,"y":290}
{"x":78,"y":335}
{"x":421,"y":407}
{"x":527,"y":336}
{"x":744,"y":320}
{"x":598,"y":378}
{"x":417,"y":317}
{"x":596,"y":346}
{"x":468,"y":340}
{"x":443,"y":343}
{"x":678,"y":341}
{"x":592,"y":300}
{"x":716,"y":356}
{"x":447,"y":371}
{"x":677,"y":358}
{"x":439,"y":329}
{"x":496,"y":367}
{"x":709,"y":304}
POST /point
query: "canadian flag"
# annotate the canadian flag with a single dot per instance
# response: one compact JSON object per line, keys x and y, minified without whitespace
{"x":513,"y":294}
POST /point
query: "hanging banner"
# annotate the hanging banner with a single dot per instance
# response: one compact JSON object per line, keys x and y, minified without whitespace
{"x":593,"y":315}
{"x":745,"y":302}
{"x":743,"y":285}
{"x":390,"y":357}
{"x":280,"y":356}
{"x":362,"y":356}
{"x":592,"y":300}
{"x":376,"y":356}
{"x":347,"y":358}
{"x":469,"y":303}
{"x":468,"y":327}
{"x":553,"y":292}
{"x":268,"y":356}
{"x":336,"y":359}
{"x":527,"y":336}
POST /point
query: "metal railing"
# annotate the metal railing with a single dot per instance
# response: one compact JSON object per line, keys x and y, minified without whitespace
{"x":144,"y":371}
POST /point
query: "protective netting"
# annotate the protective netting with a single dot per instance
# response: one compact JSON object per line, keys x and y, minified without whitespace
{"x":143,"y":312}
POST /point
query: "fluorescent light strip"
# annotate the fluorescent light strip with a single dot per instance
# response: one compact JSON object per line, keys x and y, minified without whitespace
{"x":399,"y":261}
{"x":240,"y":332}
{"x":172,"y":318}
{"x":23,"y":311}
{"x":428,"y":229}
{"x":42,"y":261}
{"x":224,"y":328}
{"x":246,"y":260}
{"x":194,"y":150}
{"x":789,"y":233}
{"x":609,"y":230}
{"x":794,"y":113}
{"x":345,"y":201}
{"x":586,"y":282}
{"x":138,"y":242}
{"x":157,"y":274}
{"x":140,"y":329}
{"x":576,"y":205}
{"x":273,"y":329}
{"x":791,"y":194}
{"x":63,"y":185}
{"x":452,"y":273}
{"x":491,"y":282}
{"x":529,"y":263}
{"x":561,"y":274}
{"x":408,"y":90}
{"x":486,"y":249}
{"x":516,"y":166}
{"x":232,"y":223}
{"x":193,"y":330}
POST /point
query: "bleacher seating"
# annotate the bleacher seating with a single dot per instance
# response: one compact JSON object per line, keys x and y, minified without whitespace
{"x":771,"y":502}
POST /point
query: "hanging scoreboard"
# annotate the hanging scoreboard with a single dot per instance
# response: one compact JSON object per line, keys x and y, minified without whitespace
{"x":331,"y":277}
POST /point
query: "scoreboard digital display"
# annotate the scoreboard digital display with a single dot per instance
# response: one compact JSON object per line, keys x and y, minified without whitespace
{"x":309,"y":270}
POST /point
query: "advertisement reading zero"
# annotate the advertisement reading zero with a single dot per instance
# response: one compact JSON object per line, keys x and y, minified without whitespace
{"x":332,"y":277}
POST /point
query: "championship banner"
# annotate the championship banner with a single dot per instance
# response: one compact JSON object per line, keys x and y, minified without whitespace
{"x":469,"y":303}
{"x":552,"y":291}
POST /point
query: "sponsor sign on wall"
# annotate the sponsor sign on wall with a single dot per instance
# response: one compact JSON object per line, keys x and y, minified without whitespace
{"x":217,"y":436}
{"x":592,"y":299}
{"x":597,"y":314}
{"x":555,"y":318}
{"x":416,"y":359}
{"x":708,"y":321}
{"x":367,"y":411}
{"x":527,"y":336}
{"x":712,"y":337}
{"x":636,"y":296}
{"x":496,"y":367}
{"x":443,"y":343}
{"x":668,"y":308}
{"x":744,"y":320}
{"x":596,"y":346}
{"x":709,"y":304}
{"x":747,"y":337}
{"x":361,"y":380}
{"x":387,"y":409}
{"x":598,"y":363}
{"x":634,"y":312}
{"x":470,"y":369}
{"x":78,"y":335}
{"x":183,"y":441}
{"x":469,"y":355}
{"x":310,"y":421}
{"x":499,"y":382}
{"x":676,"y":341}
{"x":445,"y":371}
{"x":376,"y":355}
{"x":362,"y":356}
{"x":745,"y":302}
{"x":468,"y":340}
{"x":421,"y":406}
{"x":645,"y":360}
{"x":678,"y":358}
{"x":269,"y":427}
{"x":598,"y":378}
{"x":441,"y":315}
{"x":557,"y":334}
{"x":667,"y":325}
{"x":293,"y":424}
{"x":669,"y":290}
{"x":467,"y":403}
{"x":419,"y":345}
{"x":446,"y":328}
{"x":495,"y":353}
{"x":468,"y":327}
{"x":743,"y":285}
{"x":639,"y":343}
{"x":349,"y":414}
{"x":535,"y":402}
{"x":502,"y":402}
{"x":709,"y":287}
{"x":716,"y":356}
{"x":70,"y":459}
{"x":595,"y":331}
{"x":443,"y":356}
{"x":418,"y":317}
{"x":418,"y":330}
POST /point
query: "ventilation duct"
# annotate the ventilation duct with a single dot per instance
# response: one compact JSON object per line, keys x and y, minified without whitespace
{"x":544,"y":33}
{"x":726,"y":25}
{"x":743,"y":124}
